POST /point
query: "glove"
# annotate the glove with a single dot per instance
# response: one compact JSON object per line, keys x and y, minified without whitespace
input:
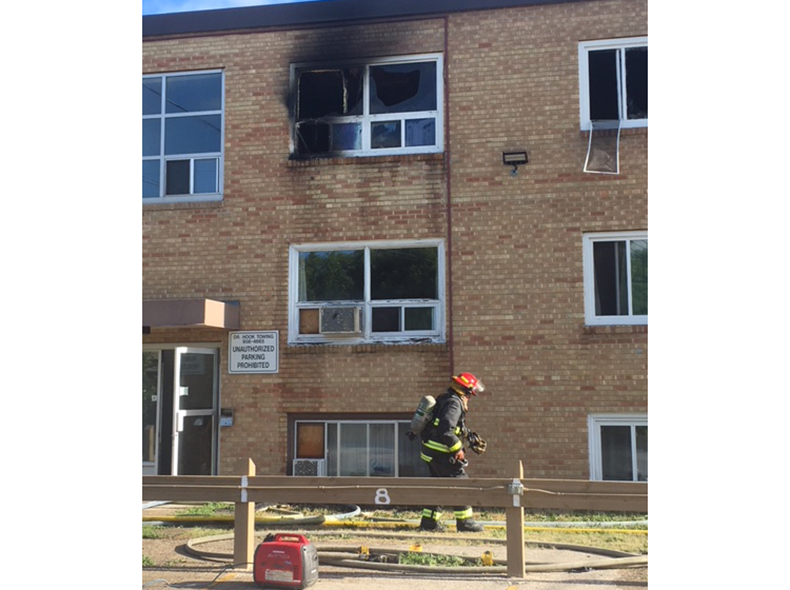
{"x":459,"y":457}
{"x":476,"y":443}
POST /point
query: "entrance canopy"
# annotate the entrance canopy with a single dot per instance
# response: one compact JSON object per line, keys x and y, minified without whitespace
{"x":190,"y":313}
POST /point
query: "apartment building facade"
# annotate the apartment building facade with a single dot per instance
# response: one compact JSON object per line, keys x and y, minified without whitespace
{"x":347,"y":202}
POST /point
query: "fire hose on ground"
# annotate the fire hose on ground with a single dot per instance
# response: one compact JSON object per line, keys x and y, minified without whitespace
{"x":387,"y":559}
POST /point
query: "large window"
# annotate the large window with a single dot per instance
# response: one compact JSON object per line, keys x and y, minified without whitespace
{"x":377,"y":448}
{"x":388,"y":106}
{"x":383,"y":291}
{"x":182,"y":136}
{"x":613,"y":82}
{"x":618,"y":448}
{"x":615,"y":278}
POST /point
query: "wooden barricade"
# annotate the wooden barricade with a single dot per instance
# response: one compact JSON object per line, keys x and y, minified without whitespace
{"x":513,"y":494}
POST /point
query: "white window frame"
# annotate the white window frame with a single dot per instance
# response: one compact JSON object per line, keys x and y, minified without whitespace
{"x":337,"y":450}
{"x":366,"y":334}
{"x":591,"y":319}
{"x":163,"y":116}
{"x":366,"y":118}
{"x":594,"y":424}
{"x":585,"y":48}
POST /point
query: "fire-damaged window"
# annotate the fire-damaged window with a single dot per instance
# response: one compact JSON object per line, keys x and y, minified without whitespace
{"x":390,"y":106}
{"x":367,"y":292}
{"x":613,"y":82}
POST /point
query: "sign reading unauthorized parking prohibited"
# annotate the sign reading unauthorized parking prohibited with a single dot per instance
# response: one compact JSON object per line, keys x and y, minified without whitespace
{"x":254,"y":352}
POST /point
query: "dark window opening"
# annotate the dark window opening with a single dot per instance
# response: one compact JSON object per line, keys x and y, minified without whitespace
{"x":329,"y":93}
{"x":312,"y":138}
{"x":617,"y":461}
{"x":636,"y":82}
{"x":177,"y":177}
{"x":403,"y":88}
{"x":386,"y":319}
{"x":603,"y":85}
{"x":607,"y":80}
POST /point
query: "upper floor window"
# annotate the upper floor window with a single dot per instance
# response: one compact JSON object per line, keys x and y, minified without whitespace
{"x":613,"y":82}
{"x":387,"y":106}
{"x":615,"y":278}
{"x":182,"y":136}
{"x":375,"y":292}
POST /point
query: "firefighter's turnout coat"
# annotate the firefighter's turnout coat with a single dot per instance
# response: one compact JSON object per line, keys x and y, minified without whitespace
{"x":442,"y":437}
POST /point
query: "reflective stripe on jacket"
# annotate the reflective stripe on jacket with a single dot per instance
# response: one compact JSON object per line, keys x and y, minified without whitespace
{"x":442,"y":436}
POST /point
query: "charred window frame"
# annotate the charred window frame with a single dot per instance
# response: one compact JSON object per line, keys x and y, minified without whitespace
{"x":183,"y":127}
{"x":383,"y":292}
{"x":613,"y":82}
{"x":382,"y":107}
{"x":615,"y":278}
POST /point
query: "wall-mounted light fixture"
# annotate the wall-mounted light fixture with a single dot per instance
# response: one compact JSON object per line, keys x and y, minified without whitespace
{"x":514,"y":159}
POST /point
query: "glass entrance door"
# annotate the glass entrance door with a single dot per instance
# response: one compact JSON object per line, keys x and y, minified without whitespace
{"x":195,"y":389}
{"x":180,"y":401}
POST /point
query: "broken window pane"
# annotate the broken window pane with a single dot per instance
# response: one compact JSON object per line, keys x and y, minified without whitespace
{"x":409,"y":273}
{"x":420,"y":132}
{"x":604,"y":99}
{"x":401,"y":88}
{"x":329,"y":93}
{"x":312,"y":138}
{"x":337,"y":109}
{"x":347,"y":136}
{"x":385,"y":134}
{"x":636,"y":82}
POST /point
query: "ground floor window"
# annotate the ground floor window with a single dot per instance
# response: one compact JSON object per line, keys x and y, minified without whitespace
{"x":618,"y":447}
{"x":358,"y":448}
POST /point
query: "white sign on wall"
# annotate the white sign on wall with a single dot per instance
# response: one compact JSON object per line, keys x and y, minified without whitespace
{"x":254,"y":352}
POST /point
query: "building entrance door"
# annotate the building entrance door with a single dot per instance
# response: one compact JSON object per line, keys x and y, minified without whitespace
{"x":180,"y":399}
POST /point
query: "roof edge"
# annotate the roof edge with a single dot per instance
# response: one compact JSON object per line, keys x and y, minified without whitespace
{"x":319,"y":12}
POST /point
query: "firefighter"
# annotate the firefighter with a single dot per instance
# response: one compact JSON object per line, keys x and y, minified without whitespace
{"x":442,"y":446}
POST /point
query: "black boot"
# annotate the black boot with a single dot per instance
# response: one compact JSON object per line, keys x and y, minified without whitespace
{"x":430,"y":524}
{"x":468,"y":525}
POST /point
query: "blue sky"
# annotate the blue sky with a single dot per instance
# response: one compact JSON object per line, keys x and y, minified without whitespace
{"x":165,"y":6}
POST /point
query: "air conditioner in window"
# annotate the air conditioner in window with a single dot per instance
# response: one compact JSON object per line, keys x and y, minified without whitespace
{"x":309,"y":467}
{"x":340,"y":320}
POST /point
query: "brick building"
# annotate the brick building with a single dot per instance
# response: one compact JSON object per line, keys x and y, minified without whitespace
{"x":333,"y":225}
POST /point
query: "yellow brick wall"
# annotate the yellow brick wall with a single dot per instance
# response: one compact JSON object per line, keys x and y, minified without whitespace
{"x":516,"y":244}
